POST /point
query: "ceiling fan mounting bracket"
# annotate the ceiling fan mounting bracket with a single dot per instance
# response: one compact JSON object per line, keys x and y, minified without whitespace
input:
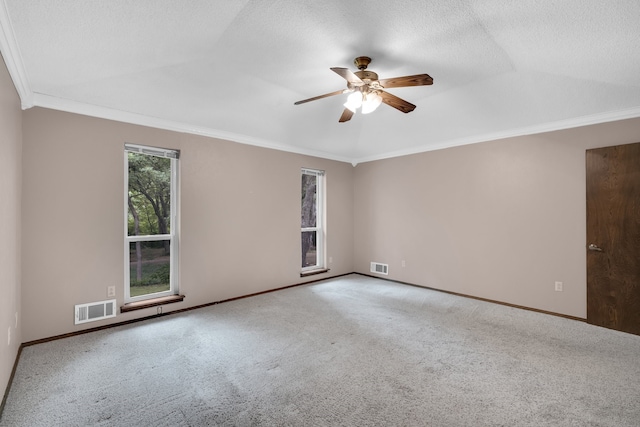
{"x":362,"y":62}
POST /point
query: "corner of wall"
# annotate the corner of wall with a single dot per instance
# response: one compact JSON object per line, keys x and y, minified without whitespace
{"x":10,"y":226}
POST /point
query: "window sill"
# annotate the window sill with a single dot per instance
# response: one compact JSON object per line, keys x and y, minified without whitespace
{"x":139,"y":305}
{"x":314,"y":272}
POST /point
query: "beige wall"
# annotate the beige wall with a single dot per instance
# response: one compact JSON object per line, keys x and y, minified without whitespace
{"x":240,"y":216}
{"x":501,"y":220}
{"x":10,"y":192}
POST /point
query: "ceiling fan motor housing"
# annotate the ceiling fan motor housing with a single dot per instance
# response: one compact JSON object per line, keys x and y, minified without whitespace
{"x":366,"y":75}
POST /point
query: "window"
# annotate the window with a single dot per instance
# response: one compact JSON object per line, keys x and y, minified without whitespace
{"x":151,"y":225}
{"x":312,"y":229}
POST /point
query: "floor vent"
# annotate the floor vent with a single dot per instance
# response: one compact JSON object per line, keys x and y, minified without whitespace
{"x":95,"y":311}
{"x":376,"y":267}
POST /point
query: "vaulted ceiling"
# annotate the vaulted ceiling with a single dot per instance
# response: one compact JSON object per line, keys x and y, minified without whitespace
{"x":233,"y":69}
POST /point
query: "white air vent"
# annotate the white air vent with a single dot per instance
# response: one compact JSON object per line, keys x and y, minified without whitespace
{"x":95,"y":311}
{"x":376,"y":267}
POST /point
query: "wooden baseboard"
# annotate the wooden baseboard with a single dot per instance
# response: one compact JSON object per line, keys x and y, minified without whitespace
{"x":182,"y":310}
{"x":113,"y":325}
{"x":522,"y":307}
{"x":13,"y":373}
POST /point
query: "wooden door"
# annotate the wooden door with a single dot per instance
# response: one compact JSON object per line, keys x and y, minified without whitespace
{"x":613,"y":237}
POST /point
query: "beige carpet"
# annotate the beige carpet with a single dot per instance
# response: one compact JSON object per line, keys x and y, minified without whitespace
{"x":353,"y":351}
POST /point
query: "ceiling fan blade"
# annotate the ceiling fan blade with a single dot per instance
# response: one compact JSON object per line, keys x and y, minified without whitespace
{"x":397,"y":103}
{"x":348,"y":75}
{"x":326,"y":95}
{"x":346,"y":115}
{"x":417,"y":80}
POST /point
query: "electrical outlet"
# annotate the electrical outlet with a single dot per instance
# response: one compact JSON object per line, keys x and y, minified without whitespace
{"x":404,"y":263}
{"x":330,"y":259}
{"x":558,"y":286}
{"x":16,"y":320}
{"x":9,"y":336}
{"x":111,"y":291}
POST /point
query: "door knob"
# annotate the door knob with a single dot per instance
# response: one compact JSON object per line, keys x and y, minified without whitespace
{"x":593,"y":247}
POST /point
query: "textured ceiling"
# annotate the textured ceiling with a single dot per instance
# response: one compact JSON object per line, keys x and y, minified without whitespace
{"x":233,"y":69}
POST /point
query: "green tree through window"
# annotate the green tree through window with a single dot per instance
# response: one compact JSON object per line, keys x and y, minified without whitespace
{"x":312,"y":233}
{"x":150,"y":209}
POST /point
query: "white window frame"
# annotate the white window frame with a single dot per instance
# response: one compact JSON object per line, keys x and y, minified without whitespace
{"x":320,"y":224}
{"x":173,"y":235}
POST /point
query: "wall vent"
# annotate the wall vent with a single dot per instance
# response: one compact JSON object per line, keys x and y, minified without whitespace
{"x":379,"y":268}
{"x":95,"y":311}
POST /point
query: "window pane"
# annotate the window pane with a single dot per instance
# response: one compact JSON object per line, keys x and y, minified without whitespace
{"x":149,"y":195}
{"x":309,"y":252}
{"x":309,"y":187}
{"x":149,"y":267}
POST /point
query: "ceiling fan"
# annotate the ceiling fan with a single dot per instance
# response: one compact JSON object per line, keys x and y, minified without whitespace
{"x":367,"y":91}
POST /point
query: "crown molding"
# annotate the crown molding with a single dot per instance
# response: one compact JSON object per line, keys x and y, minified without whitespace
{"x":593,"y":119}
{"x":70,"y":106}
{"x":13,"y":58}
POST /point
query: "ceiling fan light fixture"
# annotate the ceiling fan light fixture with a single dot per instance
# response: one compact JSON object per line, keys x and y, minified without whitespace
{"x":371,"y":102}
{"x":354,"y":101}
